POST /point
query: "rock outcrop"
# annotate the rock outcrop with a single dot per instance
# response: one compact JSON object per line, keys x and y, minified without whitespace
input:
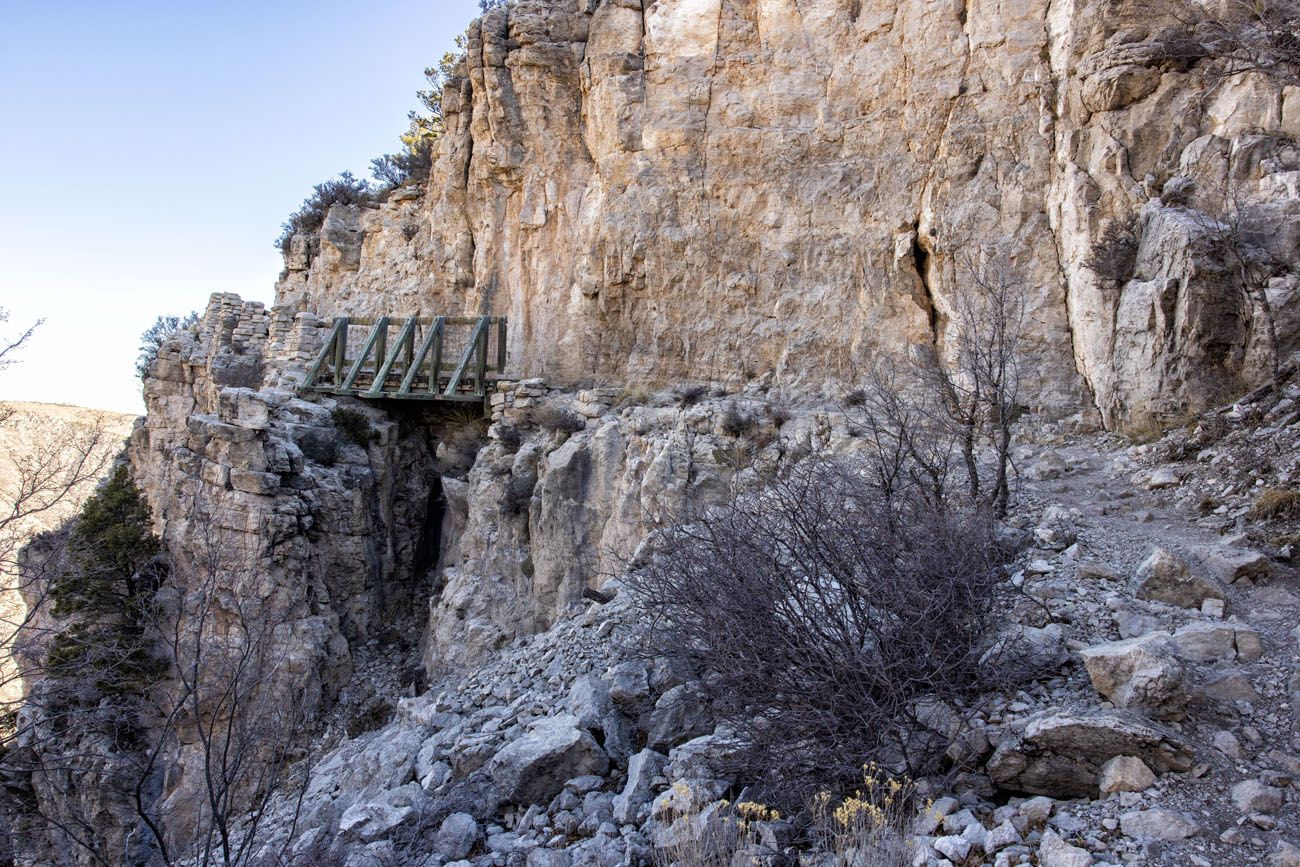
{"x":637,"y":185}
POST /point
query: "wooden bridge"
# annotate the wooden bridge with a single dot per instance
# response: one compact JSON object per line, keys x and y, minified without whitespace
{"x":446,"y":358}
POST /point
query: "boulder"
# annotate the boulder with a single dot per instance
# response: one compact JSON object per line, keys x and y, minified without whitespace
{"x":1165,"y":577}
{"x":703,"y":758}
{"x":1056,"y":529}
{"x":638,"y":792}
{"x":457,"y":836}
{"x":591,"y":703}
{"x":680,"y":714}
{"x":1231,"y":685}
{"x":534,"y":768}
{"x":1229,"y":564}
{"x":548,"y":858}
{"x":1060,"y":753}
{"x":1218,"y":641}
{"x":1055,"y":852}
{"x":1252,"y":796}
{"x":373,"y":820}
{"x":629,"y":685}
{"x":953,"y":847}
{"x":1148,"y":826}
{"x":1027,"y":649}
{"x":1162,"y":477}
{"x":1125,"y":774}
{"x":1001,"y":837}
{"x":1050,"y":465}
{"x":1140,"y":674}
{"x":1285,"y":855}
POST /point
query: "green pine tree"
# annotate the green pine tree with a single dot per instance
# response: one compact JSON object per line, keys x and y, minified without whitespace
{"x":105,"y":596}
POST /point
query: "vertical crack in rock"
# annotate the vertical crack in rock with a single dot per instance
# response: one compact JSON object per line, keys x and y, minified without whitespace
{"x":921,"y":264}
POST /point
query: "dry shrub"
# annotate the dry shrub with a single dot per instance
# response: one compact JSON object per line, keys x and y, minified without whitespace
{"x":837,"y":625}
{"x":1276,"y":503}
{"x":354,"y":426}
{"x":719,"y":834}
{"x":735,"y":423}
{"x":557,"y":419}
{"x":632,"y":397}
{"x":509,"y":437}
{"x":872,"y":826}
{"x":689,"y":395}
{"x":779,"y":414}
{"x":1114,"y":256}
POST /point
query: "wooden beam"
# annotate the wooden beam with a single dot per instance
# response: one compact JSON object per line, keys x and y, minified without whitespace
{"x":408,"y":330}
{"x":380,"y":327}
{"x":466,"y":357}
{"x":480,"y":371}
{"x":432,"y":336}
{"x":326,"y":348}
{"x":435,"y":366}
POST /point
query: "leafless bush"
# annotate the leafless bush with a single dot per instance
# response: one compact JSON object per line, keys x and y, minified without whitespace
{"x":931,"y":421}
{"x":1248,"y":36}
{"x":556,"y":419}
{"x":222,"y":700}
{"x":734,"y":422}
{"x":1114,"y":255}
{"x":836,"y":623}
{"x":689,"y":395}
{"x":10,"y":345}
{"x":855,"y":397}
{"x":778,"y":413}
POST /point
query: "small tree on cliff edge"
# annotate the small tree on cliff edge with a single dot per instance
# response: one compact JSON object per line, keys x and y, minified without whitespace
{"x":103,"y":600}
{"x":155,"y":335}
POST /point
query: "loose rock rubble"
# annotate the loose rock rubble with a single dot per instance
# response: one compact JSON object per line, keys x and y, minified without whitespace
{"x":1163,"y":733}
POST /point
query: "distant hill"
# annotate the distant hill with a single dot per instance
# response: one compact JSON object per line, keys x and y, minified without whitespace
{"x":32,"y":432}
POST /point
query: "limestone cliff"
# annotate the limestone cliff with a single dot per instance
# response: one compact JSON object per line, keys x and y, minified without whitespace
{"x":713,"y":189}
{"x":764,"y":195}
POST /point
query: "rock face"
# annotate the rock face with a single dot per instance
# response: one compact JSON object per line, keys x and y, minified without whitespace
{"x":599,"y":154}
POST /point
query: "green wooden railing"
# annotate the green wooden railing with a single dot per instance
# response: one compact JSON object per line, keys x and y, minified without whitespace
{"x":452,"y":358}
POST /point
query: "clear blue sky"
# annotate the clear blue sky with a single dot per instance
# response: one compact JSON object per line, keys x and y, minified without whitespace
{"x":152,"y":150}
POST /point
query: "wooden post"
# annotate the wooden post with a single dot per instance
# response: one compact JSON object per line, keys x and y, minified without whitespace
{"x":435,"y":369}
{"x":480,"y":372}
{"x":432,"y":338}
{"x":408,"y":350}
{"x":501,"y":346}
{"x":458,"y":375}
{"x":341,"y":351}
{"x":381,"y":345}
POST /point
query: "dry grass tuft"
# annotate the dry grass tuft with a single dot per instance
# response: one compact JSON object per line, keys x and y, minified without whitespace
{"x":1276,"y":503}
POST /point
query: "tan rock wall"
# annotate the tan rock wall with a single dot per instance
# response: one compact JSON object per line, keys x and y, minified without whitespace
{"x":714,"y":189}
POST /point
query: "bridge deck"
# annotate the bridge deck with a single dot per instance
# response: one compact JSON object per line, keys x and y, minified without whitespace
{"x":441,"y":358}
